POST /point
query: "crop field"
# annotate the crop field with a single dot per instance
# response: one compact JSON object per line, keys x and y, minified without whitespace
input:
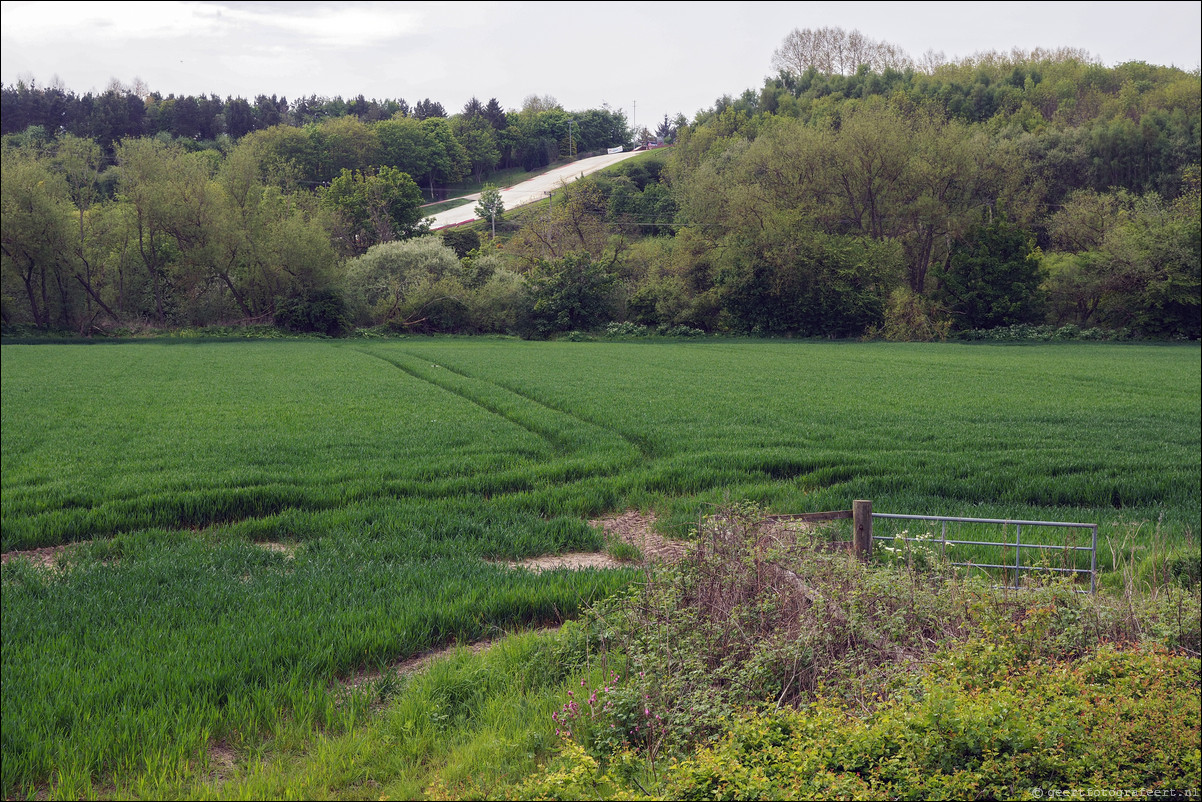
{"x":253,"y":521}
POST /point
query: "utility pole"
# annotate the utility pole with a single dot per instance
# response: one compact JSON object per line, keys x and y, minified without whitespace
{"x":634,"y":125}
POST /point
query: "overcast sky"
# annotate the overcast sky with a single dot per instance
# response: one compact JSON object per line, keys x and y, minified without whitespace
{"x":647,"y":59}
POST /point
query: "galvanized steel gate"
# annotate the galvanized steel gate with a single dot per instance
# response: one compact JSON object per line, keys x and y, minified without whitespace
{"x":1017,"y":544}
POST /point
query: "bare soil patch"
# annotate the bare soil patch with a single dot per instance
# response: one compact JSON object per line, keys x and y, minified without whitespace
{"x":632,"y":526}
{"x":47,"y":557}
{"x":287,"y":549}
{"x":638,"y":530}
{"x":55,"y":557}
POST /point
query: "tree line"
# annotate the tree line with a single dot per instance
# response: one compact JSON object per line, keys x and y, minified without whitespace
{"x":1023,"y":189}
{"x":320,"y":135}
{"x":911,"y":201}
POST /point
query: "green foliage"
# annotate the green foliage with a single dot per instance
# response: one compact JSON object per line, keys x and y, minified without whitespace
{"x":1134,"y":263}
{"x":1014,"y":732}
{"x":479,"y":144}
{"x":375,"y":208}
{"x":403,"y":145}
{"x":626,"y":330}
{"x":490,"y":206}
{"x":901,"y":153}
{"x":462,"y":240}
{"x":993,"y":278}
{"x":744,"y":666}
{"x":447,"y":160}
{"x":575,"y":292}
{"x":803,"y":282}
{"x":321,"y":312}
{"x":911,"y":318}
{"x":1025,"y":332}
{"x":383,"y":284}
{"x":419,"y":285}
{"x":637,"y":198}
{"x":758,"y":616}
{"x":36,"y":215}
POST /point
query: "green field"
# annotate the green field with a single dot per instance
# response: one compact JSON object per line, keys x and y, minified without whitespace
{"x":384,"y":473}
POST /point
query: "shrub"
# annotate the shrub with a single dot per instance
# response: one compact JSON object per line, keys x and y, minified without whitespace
{"x":910,"y":317}
{"x":382,"y":283}
{"x":1038,"y":727}
{"x":571,"y":293}
{"x":626,"y":330}
{"x":462,"y":240}
{"x":767,"y":667}
{"x":679,"y":331}
{"x":757,"y":617}
{"x":320,"y":312}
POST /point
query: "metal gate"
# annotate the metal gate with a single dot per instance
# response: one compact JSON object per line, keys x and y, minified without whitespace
{"x":1017,"y":544}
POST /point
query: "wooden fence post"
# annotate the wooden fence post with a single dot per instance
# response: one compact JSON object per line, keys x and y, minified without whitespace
{"x":861,"y":538}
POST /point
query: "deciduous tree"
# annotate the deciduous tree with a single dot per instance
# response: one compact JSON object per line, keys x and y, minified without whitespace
{"x":375,"y":208}
{"x":992,"y":278}
{"x":490,"y":205}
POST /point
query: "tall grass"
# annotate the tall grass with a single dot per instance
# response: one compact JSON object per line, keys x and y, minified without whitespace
{"x":172,"y":644}
{"x":391,"y":470}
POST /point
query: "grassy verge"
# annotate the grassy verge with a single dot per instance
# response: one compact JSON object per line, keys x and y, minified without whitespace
{"x":472,"y":722}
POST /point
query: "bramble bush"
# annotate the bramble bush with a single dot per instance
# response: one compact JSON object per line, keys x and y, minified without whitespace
{"x":843,"y":679}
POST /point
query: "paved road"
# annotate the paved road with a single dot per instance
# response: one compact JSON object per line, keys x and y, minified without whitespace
{"x":530,"y":190}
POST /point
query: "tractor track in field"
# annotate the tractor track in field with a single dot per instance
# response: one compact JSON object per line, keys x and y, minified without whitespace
{"x":550,"y":435}
{"x":492,"y":409}
{"x":644,"y":449}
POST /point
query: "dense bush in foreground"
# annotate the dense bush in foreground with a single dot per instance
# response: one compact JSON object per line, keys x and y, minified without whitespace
{"x":760,"y":670}
{"x":979,"y":723}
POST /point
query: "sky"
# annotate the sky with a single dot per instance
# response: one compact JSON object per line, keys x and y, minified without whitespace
{"x":645,"y":59}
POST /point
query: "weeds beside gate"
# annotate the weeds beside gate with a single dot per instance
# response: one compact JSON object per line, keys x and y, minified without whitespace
{"x":1003,"y":545}
{"x":862,"y":540}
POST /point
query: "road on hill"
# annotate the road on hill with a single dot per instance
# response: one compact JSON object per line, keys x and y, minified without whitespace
{"x":530,"y":190}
